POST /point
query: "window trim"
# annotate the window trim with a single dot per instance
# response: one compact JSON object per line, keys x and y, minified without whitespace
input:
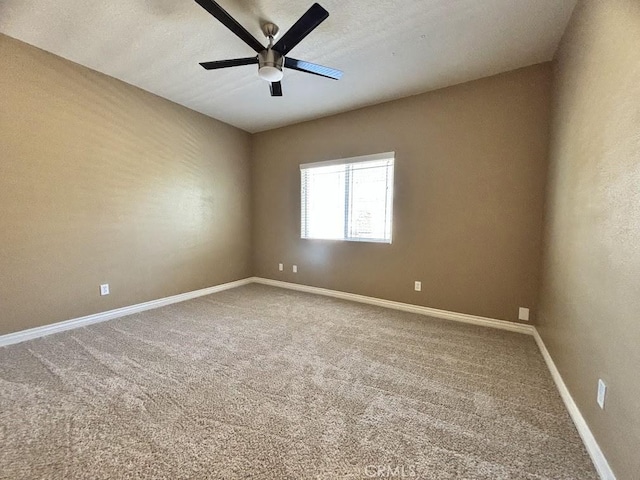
{"x":352,"y":160}
{"x":342,"y":161}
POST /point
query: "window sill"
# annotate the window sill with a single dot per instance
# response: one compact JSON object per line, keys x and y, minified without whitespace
{"x":351,"y":240}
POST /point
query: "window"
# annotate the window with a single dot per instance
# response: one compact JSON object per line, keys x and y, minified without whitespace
{"x":348,"y":199}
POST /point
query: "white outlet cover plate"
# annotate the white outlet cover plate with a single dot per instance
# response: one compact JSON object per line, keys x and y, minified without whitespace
{"x":295,"y":269}
{"x":602,"y":391}
{"x":417,"y":286}
{"x":104,"y":289}
{"x":280,"y":266}
{"x":523,"y":314}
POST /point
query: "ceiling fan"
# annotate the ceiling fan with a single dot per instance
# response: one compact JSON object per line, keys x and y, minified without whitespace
{"x":272,"y":59}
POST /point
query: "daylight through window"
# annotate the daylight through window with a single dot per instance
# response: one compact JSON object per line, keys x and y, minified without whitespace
{"x":348,"y":199}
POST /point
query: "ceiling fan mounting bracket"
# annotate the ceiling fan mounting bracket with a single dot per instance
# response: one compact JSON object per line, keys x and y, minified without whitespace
{"x":270,"y":30}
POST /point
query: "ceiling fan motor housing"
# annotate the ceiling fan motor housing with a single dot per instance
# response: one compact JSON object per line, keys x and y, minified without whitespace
{"x":270,"y":64}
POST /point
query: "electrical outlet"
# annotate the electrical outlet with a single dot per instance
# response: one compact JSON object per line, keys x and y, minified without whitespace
{"x":523,"y":314}
{"x":417,"y":286}
{"x":280,"y":267}
{"x":295,"y":269}
{"x":602,"y":392}
{"x":104,"y":289}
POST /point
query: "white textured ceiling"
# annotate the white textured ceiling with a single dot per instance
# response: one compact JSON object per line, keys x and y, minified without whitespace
{"x":386,"y":48}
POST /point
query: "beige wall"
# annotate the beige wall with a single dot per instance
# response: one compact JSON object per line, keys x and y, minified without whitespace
{"x":590,"y":309}
{"x":102,"y":182}
{"x":469,"y":184}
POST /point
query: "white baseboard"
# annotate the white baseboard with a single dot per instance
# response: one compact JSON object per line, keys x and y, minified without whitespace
{"x":36,"y":332}
{"x":597,"y":457}
{"x":405,"y":307}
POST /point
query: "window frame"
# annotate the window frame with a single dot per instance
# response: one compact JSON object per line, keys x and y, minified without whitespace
{"x":390,"y":156}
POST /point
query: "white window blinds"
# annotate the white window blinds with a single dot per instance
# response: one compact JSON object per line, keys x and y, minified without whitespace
{"x":349,"y":199}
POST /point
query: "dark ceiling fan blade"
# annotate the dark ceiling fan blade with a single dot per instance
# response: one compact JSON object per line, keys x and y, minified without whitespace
{"x":303,"y":27}
{"x":228,"y":21}
{"x":307,"y":67}
{"x":276,"y":89}
{"x":236,"y":62}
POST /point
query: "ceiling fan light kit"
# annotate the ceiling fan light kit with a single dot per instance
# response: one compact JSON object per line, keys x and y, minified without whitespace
{"x":271,"y":71}
{"x":272,"y":59}
{"x":270,"y":62}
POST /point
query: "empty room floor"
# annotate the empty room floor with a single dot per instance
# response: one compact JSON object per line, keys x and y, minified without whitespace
{"x":261,"y":382}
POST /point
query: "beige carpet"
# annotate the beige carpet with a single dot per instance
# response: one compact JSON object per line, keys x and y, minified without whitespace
{"x":259,"y":382}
